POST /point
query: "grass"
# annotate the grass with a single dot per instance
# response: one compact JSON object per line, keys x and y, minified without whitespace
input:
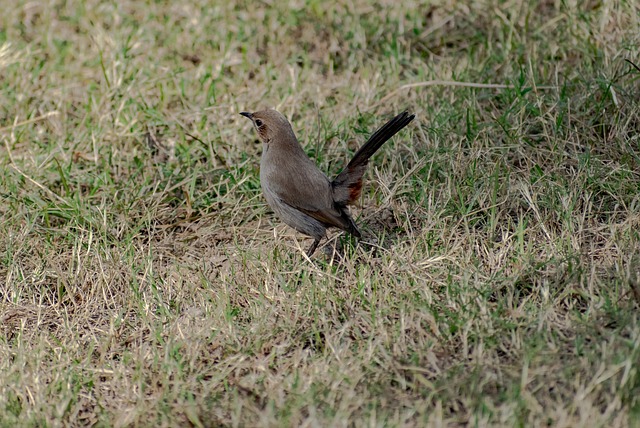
{"x":146,"y":283}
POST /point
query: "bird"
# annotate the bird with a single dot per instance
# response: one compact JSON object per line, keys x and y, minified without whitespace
{"x":299,"y":193}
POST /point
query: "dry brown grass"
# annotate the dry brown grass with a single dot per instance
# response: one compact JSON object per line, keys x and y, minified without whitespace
{"x":145,"y":282}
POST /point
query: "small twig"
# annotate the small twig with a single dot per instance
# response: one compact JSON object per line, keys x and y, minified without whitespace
{"x":44,"y":188}
{"x":19,"y":171}
{"x":27,"y":122}
{"x":447,"y":83}
{"x":215,"y":153}
{"x":634,"y":66}
{"x":195,"y":138}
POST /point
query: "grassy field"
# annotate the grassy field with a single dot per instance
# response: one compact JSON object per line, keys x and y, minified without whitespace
{"x":144,"y":281}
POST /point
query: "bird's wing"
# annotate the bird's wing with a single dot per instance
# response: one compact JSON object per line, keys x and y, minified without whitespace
{"x":304,"y":187}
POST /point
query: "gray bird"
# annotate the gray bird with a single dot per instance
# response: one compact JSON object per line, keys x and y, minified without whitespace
{"x":299,"y":193}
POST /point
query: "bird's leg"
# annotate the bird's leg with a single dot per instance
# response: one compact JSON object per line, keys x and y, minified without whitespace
{"x":334,"y":251}
{"x":312,"y":248}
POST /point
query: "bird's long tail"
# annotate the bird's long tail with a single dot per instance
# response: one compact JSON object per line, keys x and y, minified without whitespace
{"x":347,"y":186}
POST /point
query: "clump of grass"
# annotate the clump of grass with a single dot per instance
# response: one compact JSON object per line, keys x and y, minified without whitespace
{"x":145,"y":282}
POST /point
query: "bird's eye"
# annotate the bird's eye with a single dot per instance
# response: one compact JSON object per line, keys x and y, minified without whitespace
{"x":258,"y":123}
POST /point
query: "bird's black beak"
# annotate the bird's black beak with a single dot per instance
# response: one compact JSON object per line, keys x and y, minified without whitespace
{"x":247,"y":115}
